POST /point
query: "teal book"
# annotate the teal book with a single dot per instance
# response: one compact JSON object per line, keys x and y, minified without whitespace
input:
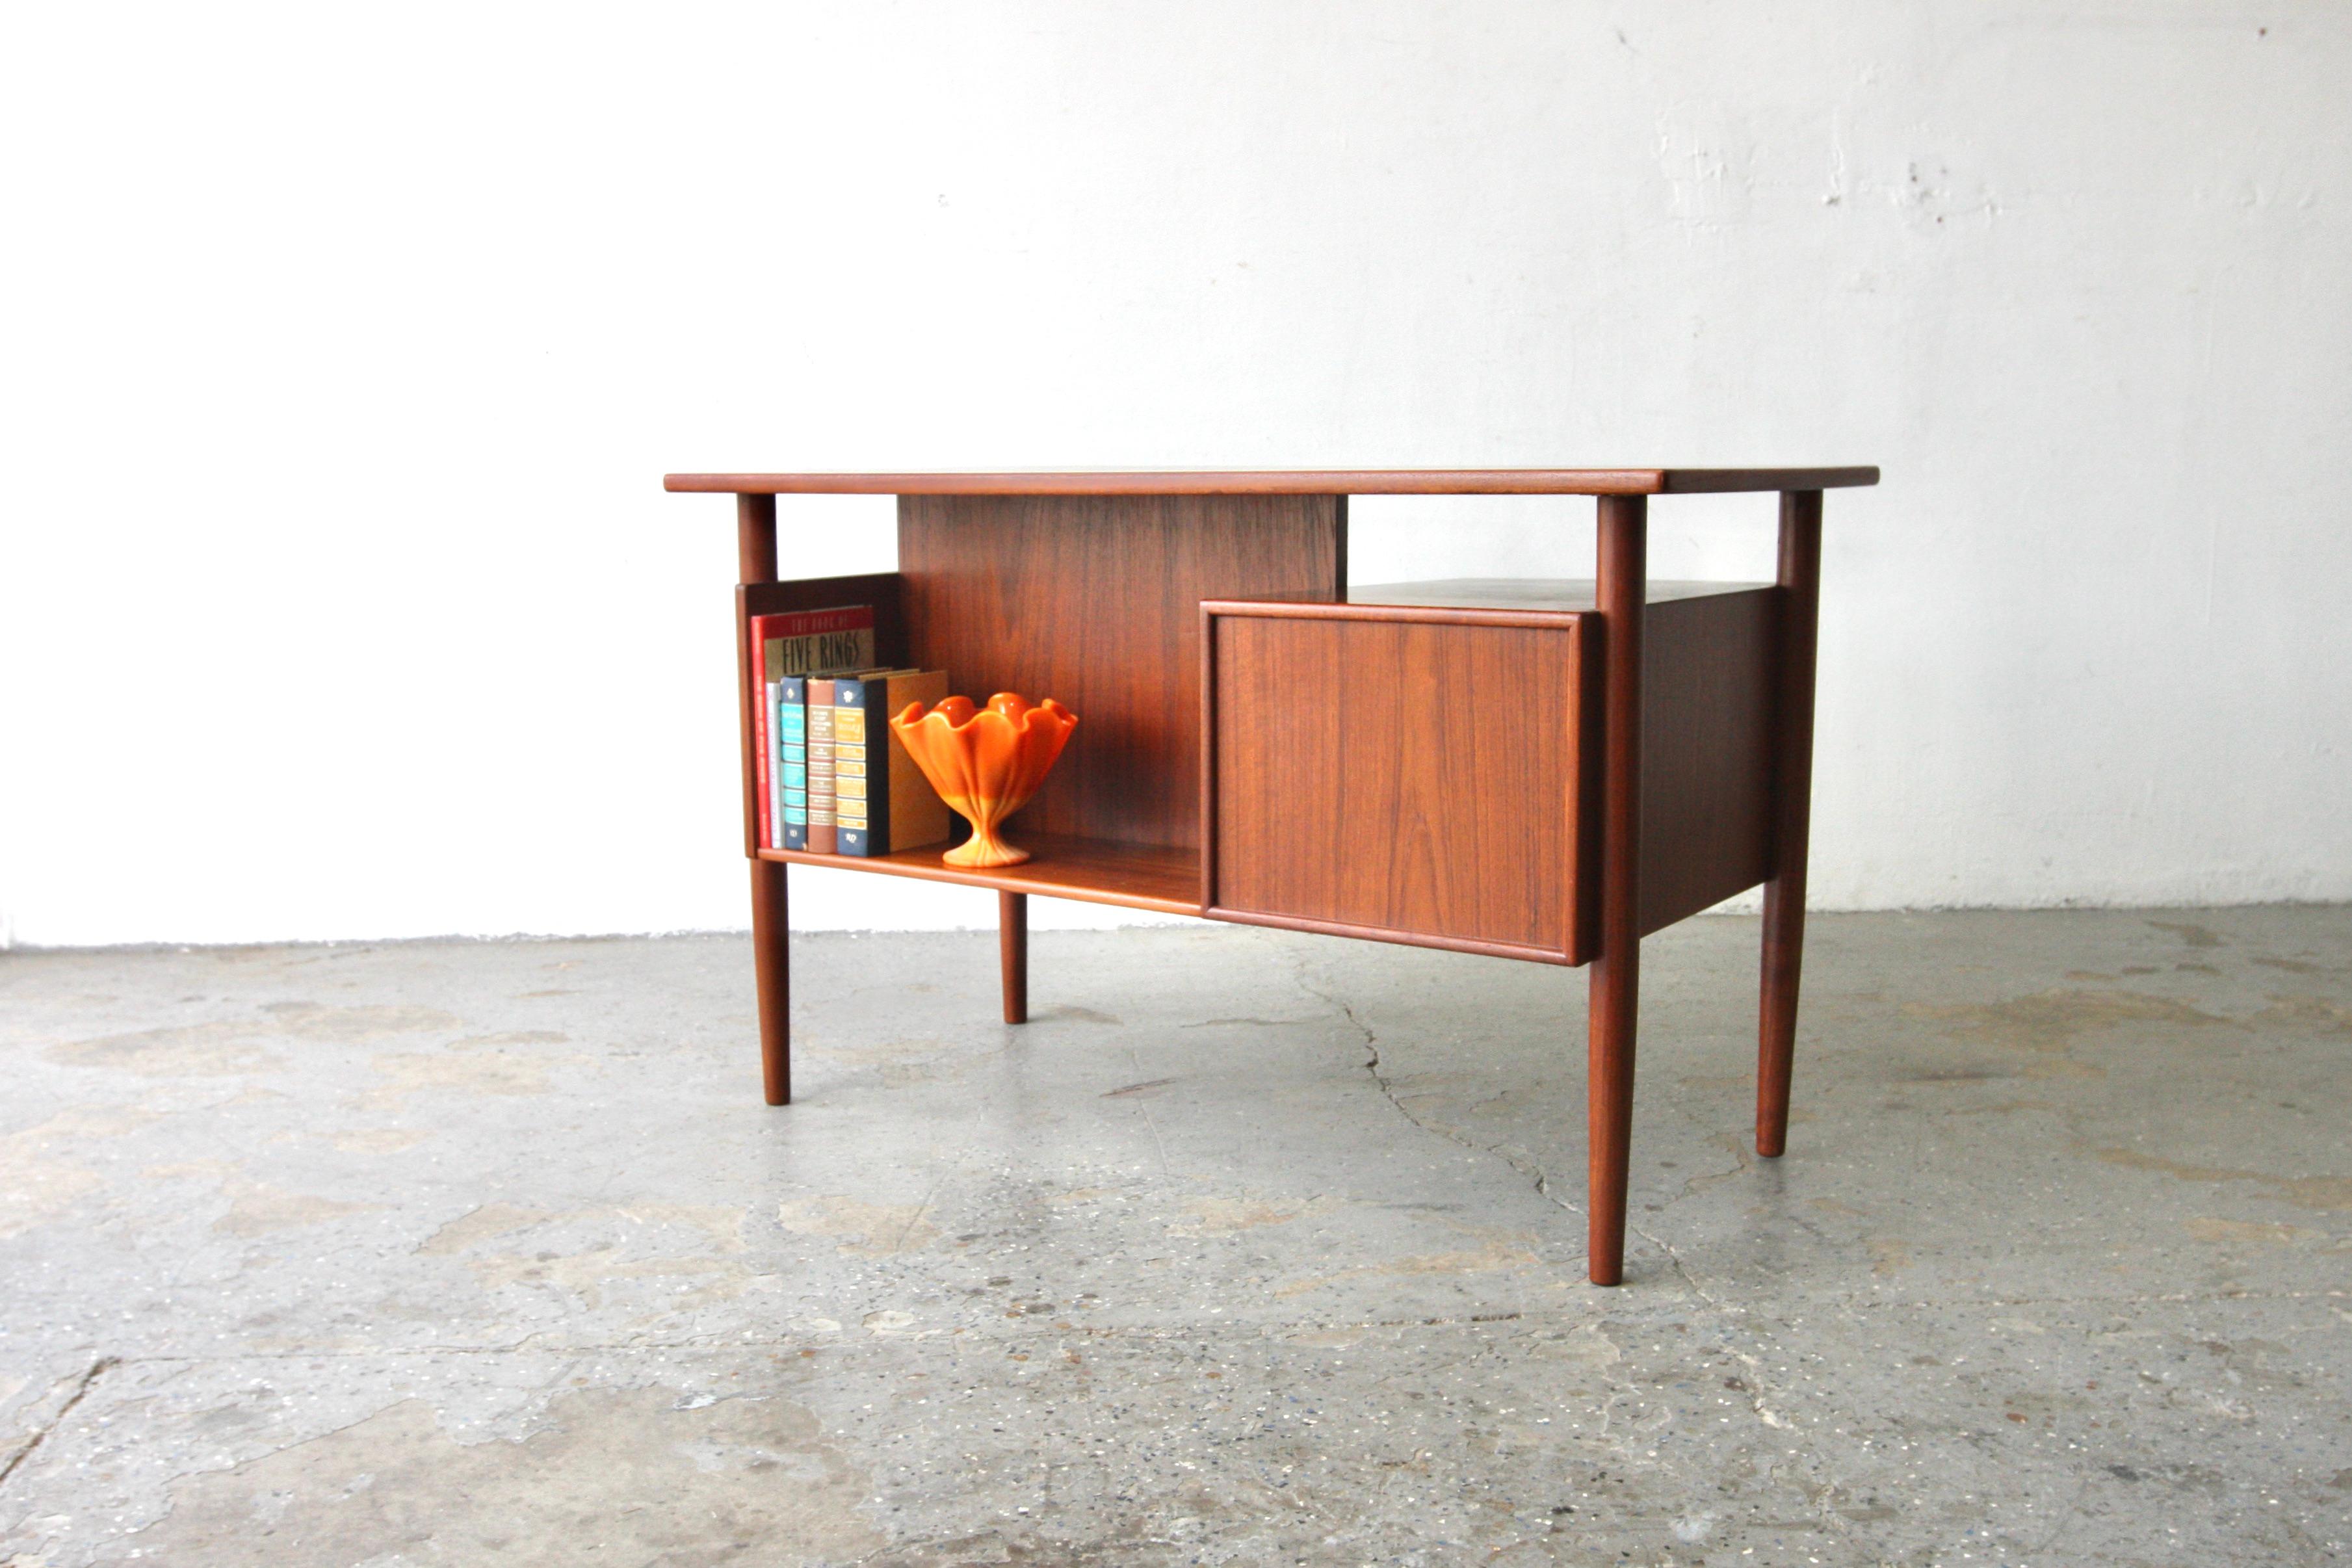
{"x":790,"y":729}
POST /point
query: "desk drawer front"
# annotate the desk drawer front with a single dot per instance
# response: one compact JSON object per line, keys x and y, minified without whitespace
{"x":1396,"y":774}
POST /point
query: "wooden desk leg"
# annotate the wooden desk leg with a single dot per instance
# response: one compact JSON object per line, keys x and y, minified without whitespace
{"x":755,"y":549}
{"x":1792,"y":807}
{"x":1013,"y":954}
{"x":773,"y":965}
{"x":1616,"y":973}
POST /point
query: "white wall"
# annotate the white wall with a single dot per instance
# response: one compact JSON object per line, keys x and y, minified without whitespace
{"x":345,"y":349}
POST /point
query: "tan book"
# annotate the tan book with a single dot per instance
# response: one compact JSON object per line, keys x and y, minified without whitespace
{"x":883,"y":801}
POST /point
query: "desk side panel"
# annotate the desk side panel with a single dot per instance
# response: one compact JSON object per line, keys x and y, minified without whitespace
{"x":1406,"y":778}
{"x":1096,"y":601}
{"x":1708,"y":674}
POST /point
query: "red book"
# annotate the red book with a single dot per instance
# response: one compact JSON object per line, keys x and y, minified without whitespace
{"x":759,"y":706}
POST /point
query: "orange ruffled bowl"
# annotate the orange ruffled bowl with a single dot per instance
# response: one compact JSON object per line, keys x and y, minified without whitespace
{"x":985,"y":763}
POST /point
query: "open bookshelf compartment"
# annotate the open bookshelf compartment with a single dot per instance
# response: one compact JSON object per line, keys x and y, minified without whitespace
{"x":1096,"y":603}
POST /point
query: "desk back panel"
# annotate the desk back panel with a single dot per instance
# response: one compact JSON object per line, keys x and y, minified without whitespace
{"x":1096,"y":601}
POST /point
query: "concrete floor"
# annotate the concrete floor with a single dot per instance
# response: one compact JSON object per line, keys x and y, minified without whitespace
{"x":1252,"y":1248}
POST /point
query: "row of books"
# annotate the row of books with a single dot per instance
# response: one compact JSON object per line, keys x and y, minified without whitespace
{"x":832,"y":778}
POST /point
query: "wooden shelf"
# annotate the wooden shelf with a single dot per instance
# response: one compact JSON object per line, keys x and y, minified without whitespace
{"x":1094,"y":870}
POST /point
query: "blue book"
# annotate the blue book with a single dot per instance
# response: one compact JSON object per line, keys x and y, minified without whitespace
{"x":882,"y":801}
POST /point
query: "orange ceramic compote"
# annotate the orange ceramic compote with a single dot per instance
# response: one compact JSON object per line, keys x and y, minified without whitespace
{"x":985,"y":763}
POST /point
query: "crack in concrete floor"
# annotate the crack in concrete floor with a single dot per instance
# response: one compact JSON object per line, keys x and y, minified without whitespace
{"x":80,"y":1389}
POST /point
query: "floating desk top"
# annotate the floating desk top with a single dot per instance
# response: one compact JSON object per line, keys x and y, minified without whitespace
{"x":1285,"y":482}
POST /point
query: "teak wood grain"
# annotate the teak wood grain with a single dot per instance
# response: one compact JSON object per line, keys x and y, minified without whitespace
{"x":1708,"y":688}
{"x":1013,"y":954}
{"x":772,"y":979}
{"x":1404,"y":774}
{"x":755,"y":563}
{"x":1097,"y":603}
{"x":1623,"y":557}
{"x":1784,"y":895}
{"x":755,"y":567}
{"x":1710,"y":685}
{"x":1091,"y":870}
{"x":1281,"y":481}
{"x":1524,"y":593}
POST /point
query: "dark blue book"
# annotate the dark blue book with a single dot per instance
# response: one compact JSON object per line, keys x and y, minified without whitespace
{"x":882,"y":801}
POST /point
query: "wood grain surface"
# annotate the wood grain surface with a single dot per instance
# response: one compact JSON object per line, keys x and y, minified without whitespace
{"x":1408,"y":774}
{"x":1708,"y":691}
{"x":1096,"y":602}
{"x":1524,"y":593}
{"x":1615,"y":1005}
{"x":755,"y":567}
{"x":1092,"y":870}
{"x":1792,"y":814}
{"x":1280,"y":482}
{"x":772,"y":979}
{"x":1013,"y":954}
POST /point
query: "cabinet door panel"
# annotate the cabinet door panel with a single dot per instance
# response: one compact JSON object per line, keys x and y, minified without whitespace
{"x":1411,"y":779}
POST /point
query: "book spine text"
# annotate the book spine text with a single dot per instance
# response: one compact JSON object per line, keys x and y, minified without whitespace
{"x":822,"y":821}
{"x":792,"y":759}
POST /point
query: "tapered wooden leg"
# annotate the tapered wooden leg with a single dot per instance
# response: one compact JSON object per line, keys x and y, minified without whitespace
{"x":755,"y":547}
{"x":1616,"y":973}
{"x":773,"y":964}
{"x":1013,"y":954}
{"x":1784,"y":895}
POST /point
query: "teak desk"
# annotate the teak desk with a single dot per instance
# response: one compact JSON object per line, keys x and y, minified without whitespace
{"x":1534,"y":770}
